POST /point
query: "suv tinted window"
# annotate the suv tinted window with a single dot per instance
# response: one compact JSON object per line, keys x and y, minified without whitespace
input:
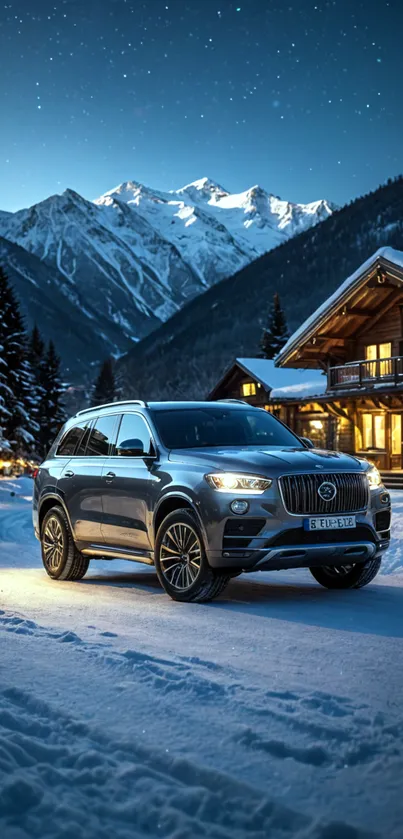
{"x":69,"y":443}
{"x":102,"y":436}
{"x":133,"y":427}
{"x":198,"y":427}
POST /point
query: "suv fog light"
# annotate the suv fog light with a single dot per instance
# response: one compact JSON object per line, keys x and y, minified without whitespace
{"x":239,"y":507}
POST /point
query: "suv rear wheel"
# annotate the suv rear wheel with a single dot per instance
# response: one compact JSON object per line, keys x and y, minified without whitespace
{"x":347,"y":576}
{"x":181,"y":562}
{"x":60,"y":557}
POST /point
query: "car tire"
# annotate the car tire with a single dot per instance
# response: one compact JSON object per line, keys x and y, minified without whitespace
{"x":181,"y":562}
{"x":60,"y":557}
{"x":347,"y":576}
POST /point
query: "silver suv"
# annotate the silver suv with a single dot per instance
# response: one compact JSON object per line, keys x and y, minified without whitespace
{"x":205,"y":491}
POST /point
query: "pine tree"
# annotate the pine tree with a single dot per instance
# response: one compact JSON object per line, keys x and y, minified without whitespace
{"x":36,"y":355}
{"x":4,"y":393}
{"x":51,"y":411}
{"x":105,"y":385}
{"x":18,"y":385}
{"x":275,"y":333}
{"x":36,"y":348}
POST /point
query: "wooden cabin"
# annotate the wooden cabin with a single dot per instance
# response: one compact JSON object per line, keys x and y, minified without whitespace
{"x":355,"y":338}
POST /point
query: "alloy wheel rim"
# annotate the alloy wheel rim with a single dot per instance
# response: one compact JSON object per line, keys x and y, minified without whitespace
{"x":180,"y":556}
{"x":53,"y":543}
{"x":338,"y":570}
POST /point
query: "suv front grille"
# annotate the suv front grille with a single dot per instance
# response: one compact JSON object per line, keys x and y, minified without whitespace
{"x":301,"y":497}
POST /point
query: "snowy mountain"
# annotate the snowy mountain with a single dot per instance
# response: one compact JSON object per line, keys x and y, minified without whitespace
{"x":215,"y":230}
{"x":81,"y":335}
{"x":130,"y":259}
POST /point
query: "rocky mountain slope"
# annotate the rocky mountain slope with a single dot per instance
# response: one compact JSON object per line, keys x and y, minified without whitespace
{"x":110,"y":271}
{"x":187,"y":355}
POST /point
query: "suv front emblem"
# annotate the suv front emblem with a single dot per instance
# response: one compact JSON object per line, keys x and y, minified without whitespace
{"x":327,"y":491}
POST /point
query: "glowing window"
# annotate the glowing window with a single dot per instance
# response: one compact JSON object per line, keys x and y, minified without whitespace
{"x":373,"y":431}
{"x":396,"y":433}
{"x":374,"y":352}
{"x":367,"y":431}
{"x":379,"y":431}
{"x":385,"y":350}
{"x":371,"y":352}
{"x":249,"y":389}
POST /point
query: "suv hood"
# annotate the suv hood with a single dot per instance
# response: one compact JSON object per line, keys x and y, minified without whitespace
{"x":267,"y":462}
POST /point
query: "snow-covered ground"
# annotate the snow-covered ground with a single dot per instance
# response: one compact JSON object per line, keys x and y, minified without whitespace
{"x":274,"y":712}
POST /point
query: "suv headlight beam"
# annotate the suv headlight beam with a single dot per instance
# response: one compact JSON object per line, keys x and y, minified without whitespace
{"x":374,"y":477}
{"x":233,"y":482}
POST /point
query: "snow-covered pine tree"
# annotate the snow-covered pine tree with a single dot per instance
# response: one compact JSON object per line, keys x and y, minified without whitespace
{"x":275,"y":334}
{"x":36,"y":355}
{"x":51,"y":413}
{"x":19,"y":427}
{"x":105,"y":385}
{"x":4,"y":392}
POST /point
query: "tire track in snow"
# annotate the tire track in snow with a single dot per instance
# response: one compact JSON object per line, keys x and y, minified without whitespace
{"x":312,"y":728}
{"x":60,"y":777}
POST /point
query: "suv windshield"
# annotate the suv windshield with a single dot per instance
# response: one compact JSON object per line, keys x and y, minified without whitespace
{"x":191,"y":428}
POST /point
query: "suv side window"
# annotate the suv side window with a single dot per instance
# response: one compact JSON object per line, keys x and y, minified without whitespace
{"x":80,"y":451}
{"x":134,"y":427}
{"x":102,"y":436}
{"x":70,"y":441}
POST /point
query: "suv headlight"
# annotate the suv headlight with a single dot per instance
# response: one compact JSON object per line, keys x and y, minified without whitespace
{"x":231,"y":482}
{"x":374,"y":477}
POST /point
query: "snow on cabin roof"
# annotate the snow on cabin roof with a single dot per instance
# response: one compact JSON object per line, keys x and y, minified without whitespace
{"x":284,"y":382}
{"x":390,"y":254}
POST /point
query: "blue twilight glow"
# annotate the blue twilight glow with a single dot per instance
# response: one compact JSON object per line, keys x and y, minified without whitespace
{"x":301,"y":96}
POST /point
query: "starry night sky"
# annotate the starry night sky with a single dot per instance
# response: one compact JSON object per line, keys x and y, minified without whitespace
{"x":303,"y":97}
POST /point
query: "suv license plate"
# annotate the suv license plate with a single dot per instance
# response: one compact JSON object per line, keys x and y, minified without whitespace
{"x":330,"y":523}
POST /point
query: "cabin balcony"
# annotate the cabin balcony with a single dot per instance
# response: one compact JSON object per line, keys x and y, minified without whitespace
{"x":367,"y":373}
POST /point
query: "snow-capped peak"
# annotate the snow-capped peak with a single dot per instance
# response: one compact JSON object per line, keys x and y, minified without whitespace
{"x":205,"y":186}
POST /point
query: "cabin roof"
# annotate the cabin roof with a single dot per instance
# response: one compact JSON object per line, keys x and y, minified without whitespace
{"x":281,"y":383}
{"x":331,"y":311}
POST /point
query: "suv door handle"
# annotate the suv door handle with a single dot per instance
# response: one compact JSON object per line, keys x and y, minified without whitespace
{"x":68,"y":474}
{"x":109,"y":477}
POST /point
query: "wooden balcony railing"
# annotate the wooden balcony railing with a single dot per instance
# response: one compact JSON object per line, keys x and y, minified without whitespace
{"x":362,"y":373}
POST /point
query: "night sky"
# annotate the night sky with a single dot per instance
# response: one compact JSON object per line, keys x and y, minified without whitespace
{"x":304,"y":98}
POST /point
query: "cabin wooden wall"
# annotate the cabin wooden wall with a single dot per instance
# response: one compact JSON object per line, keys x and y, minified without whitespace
{"x":387,"y":328}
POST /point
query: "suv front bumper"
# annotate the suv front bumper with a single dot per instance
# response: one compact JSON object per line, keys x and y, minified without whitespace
{"x":281,"y":541}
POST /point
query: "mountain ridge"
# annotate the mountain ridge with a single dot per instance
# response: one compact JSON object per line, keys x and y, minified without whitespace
{"x":134,"y":256}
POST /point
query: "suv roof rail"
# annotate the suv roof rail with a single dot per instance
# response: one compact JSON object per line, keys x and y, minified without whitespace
{"x":242,"y":401}
{"x":113,"y":405}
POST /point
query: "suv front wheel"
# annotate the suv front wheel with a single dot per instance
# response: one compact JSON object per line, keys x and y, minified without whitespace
{"x":347,"y":576}
{"x":181,"y":562}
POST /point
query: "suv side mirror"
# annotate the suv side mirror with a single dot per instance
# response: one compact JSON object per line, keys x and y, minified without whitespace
{"x":307,"y":442}
{"x":132,"y":448}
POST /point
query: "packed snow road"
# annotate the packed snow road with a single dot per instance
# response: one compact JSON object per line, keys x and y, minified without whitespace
{"x":275,"y":711}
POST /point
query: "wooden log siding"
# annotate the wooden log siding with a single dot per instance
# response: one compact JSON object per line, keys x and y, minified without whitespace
{"x":387,"y":328}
